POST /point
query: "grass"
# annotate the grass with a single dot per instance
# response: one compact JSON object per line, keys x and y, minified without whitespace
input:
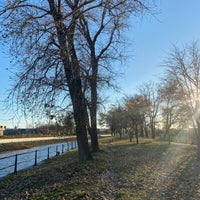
{"x":5,"y":147}
{"x":122,"y":170}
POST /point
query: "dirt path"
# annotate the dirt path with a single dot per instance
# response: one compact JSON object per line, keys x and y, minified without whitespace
{"x":109,"y":178}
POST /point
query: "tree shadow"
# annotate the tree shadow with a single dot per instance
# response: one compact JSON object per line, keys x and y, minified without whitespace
{"x":183,"y":181}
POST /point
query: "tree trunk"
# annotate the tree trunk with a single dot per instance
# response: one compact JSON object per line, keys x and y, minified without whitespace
{"x":80,"y":116}
{"x":94,"y":140}
{"x":146,"y":132}
{"x":153,"y":129}
{"x":92,"y":129}
{"x":120,"y":134}
{"x":93,"y":106}
{"x":130,"y":136}
{"x":93,"y":133}
{"x":93,"y":117}
{"x":81,"y":133}
{"x":169,"y":138}
{"x":142,"y":131}
{"x":167,"y":133}
{"x":136,"y":134}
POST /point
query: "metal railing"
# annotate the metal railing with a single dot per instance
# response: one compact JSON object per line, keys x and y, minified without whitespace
{"x":15,"y":162}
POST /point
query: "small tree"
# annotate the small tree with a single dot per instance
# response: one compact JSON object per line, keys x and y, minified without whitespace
{"x":173,"y":110}
{"x":150,"y":92}
{"x":135,"y":108}
{"x":115,"y":120}
{"x":66,"y":123}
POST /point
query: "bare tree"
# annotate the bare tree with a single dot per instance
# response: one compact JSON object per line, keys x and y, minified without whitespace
{"x":103,"y":45}
{"x":173,"y":109}
{"x":116,"y":120}
{"x":136,"y":107}
{"x":150,"y":92}
{"x":42,"y":36}
{"x":183,"y":64}
{"x":51,"y":39}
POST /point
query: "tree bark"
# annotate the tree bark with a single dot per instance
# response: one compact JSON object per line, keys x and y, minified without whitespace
{"x":93,"y":106}
{"x":136,"y":134}
{"x":80,"y":117}
{"x":93,"y":116}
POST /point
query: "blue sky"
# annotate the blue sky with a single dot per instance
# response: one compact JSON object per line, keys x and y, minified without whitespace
{"x":175,"y":22}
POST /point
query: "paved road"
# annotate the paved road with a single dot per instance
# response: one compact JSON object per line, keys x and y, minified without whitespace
{"x":12,"y":140}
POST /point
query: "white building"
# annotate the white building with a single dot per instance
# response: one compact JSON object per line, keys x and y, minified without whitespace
{"x":2,"y":128}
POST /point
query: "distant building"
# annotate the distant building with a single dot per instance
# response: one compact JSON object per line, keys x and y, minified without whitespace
{"x":2,"y":128}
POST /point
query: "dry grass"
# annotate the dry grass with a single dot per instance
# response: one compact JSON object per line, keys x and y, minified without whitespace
{"x":6,"y":147}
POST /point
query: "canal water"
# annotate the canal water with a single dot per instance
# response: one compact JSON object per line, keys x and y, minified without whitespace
{"x":17,"y":160}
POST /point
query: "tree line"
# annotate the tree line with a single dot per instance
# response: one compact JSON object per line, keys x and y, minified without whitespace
{"x":171,"y":103}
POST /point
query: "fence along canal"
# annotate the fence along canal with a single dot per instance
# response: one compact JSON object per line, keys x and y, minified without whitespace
{"x":13,"y":162}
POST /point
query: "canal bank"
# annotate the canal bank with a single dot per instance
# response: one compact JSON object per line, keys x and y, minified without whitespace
{"x":12,"y":144}
{"x":14,"y":161}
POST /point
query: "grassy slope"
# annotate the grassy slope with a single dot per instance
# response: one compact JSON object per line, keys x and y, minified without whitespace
{"x":122,"y":170}
{"x":6,"y":147}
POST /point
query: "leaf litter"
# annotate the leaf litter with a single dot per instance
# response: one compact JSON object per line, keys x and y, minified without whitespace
{"x":122,"y":170}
